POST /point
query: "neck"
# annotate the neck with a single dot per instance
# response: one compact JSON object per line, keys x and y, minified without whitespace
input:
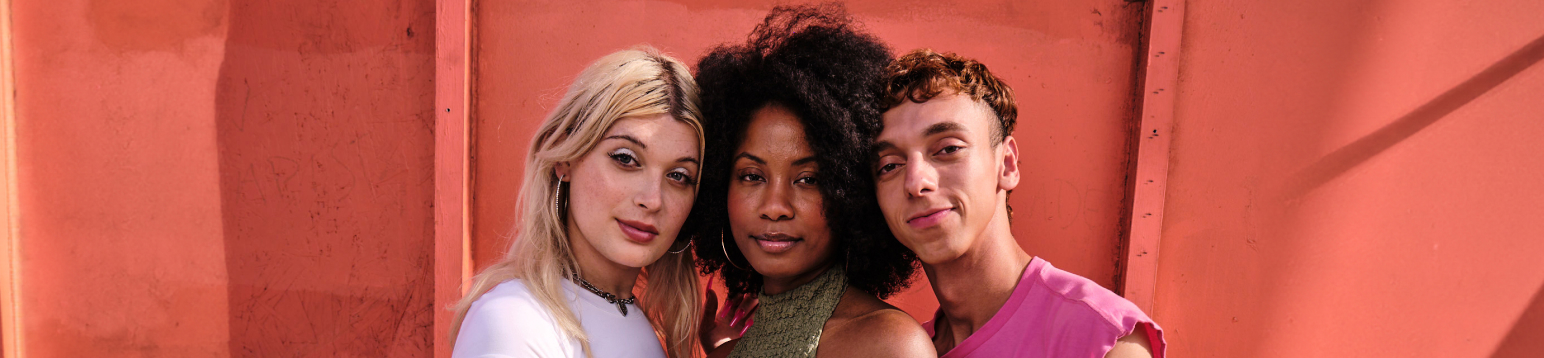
{"x":972,"y":287}
{"x":599,"y":271}
{"x":776,"y":285}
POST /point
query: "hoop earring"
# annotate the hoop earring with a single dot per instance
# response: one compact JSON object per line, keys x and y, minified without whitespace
{"x":689,"y":244}
{"x":557,"y":195}
{"x":724,"y":246}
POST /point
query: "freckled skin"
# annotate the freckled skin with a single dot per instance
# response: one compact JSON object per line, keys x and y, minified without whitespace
{"x":621,"y":181}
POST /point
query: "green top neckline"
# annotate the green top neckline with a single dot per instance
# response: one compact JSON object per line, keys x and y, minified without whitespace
{"x":789,"y":324}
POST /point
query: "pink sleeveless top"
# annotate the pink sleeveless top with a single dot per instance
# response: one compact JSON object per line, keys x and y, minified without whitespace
{"x":1054,"y":313}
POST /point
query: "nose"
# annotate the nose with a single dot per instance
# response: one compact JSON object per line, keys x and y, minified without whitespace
{"x":649,"y":196}
{"x":775,"y":205}
{"x":921,"y":178}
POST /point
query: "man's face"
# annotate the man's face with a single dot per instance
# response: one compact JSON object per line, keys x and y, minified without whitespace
{"x":941,"y":182}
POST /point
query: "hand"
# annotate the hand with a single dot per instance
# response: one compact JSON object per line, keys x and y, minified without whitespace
{"x":728,"y":323}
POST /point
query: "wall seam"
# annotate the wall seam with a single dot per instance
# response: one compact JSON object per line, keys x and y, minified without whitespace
{"x":10,"y":289}
{"x":1151,"y":169}
{"x":451,"y":197}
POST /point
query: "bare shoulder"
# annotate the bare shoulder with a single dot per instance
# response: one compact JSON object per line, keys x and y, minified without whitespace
{"x":1134,"y":345}
{"x":864,"y":326}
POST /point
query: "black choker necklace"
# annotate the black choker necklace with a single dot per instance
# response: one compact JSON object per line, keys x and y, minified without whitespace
{"x":610,"y":298}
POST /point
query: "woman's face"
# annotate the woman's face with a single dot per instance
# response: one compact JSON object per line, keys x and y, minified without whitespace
{"x":775,"y":205}
{"x":629,"y":195}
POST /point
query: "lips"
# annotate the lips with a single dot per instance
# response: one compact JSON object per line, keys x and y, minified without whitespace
{"x":776,"y":243}
{"x":929,"y":218}
{"x":639,"y":232}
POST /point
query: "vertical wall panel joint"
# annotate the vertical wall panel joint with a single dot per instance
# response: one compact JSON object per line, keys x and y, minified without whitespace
{"x":1151,"y":167}
{"x":451,"y":164}
{"x":11,"y":345}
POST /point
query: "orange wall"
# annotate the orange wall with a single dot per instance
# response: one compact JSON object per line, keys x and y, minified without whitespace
{"x":1070,"y":64}
{"x":212,"y":178}
{"x":121,"y":235}
{"x":1348,"y":180}
{"x":255,"y":178}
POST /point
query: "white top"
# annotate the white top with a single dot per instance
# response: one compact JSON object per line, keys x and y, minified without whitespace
{"x":509,"y":321}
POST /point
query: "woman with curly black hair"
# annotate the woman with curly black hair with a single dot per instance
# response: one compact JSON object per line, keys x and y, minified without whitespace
{"x":787,"y":208}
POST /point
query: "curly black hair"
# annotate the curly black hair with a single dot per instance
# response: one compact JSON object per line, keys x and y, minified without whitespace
{"x":813,"y":60}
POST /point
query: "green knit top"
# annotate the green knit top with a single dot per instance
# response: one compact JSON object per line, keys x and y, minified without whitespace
{"x":789,"y":324}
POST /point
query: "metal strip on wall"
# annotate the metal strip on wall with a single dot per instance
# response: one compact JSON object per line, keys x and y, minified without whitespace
{"x":1151,"y":167}
{"x":452,"y":264}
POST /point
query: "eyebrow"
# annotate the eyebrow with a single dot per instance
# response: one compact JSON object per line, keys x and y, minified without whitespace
{"x":627,"y":138}
{"x":643,"y":146}
{"x":803,"y":161}
{"x":942,"y":127}
{"x":753,"y":158}
{"x":880,"y":147}
{"x":758,"y":160}
{"x":936,"y":128}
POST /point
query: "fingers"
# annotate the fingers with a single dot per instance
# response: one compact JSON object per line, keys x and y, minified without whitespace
{"x":731,"y":305}
{"x":748,"y":303}
{"x":709,"y":306}
{"x":743,"y":307}
{"x":751,"y":308}
{"x":708,"y":324}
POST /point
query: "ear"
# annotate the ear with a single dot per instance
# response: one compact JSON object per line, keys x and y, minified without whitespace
{"x":561,"y":169}
{"x":1008,"y":176}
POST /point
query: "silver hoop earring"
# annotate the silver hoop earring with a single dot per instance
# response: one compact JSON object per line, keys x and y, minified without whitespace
{"x":683,"y":248}
{"x":557,"y":196}
{"x":724,"y":246}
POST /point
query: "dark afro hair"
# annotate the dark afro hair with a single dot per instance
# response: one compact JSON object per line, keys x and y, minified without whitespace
{"x":813,"y":61}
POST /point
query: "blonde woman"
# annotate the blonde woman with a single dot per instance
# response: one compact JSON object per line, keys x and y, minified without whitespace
{"x":610,"y":178}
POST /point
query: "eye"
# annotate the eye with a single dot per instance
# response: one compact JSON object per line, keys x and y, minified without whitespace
{"x":809,"y":180}
{"x":949,"y":149}
{"x":625,"y":158}
{"x":751,"y":177}
{"x":889,"y":163}
{"x":682,"y":178}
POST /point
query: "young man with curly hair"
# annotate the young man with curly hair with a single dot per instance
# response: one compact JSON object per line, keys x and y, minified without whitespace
{"x":946,"y":162}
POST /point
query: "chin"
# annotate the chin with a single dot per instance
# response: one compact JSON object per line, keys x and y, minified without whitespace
{"x":633,"y":257}
{"x":934,"y":250}
{"x":776,"y":269}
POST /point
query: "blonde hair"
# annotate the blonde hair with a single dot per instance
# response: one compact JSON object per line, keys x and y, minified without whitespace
{"x":635,"y":82}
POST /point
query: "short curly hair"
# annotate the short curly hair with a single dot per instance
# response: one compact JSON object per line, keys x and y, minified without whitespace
{"x":922,"y":74}
{"x":813,"y":61}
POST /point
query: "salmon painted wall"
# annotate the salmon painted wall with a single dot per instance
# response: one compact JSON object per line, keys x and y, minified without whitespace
{"x":1071,"y":65}
{"x":255,"y":178}
{"x":1356,"y":178}
{"x":215,"y":178}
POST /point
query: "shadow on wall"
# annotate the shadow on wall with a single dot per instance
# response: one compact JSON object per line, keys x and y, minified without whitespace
{"x":325,"y":122}
{"x":1526,"y":336}
{"x":1358,"y":152}
{"x":1526,"y":339}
